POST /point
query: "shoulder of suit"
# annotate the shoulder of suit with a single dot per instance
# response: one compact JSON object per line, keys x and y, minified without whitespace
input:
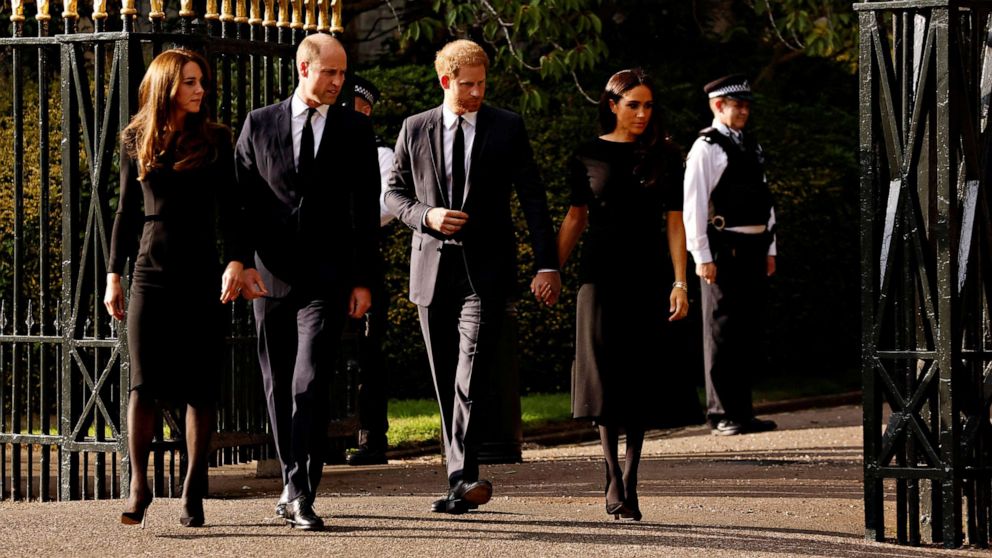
{"x":501,"y":112}
{"x":267,"y":111}
{"x":421,"y":117}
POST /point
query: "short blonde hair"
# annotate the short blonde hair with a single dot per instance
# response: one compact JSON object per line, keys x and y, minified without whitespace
{"x":459,"y":53}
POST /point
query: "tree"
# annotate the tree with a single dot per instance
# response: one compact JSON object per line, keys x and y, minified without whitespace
{"x":823,"y":28}
{"x":536,"y":41}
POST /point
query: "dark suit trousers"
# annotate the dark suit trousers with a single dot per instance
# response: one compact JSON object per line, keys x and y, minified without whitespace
{"x":461,"y":333}
{"x":298,"y":338}
{"x":732,"y":310}
{"x":372,"y":396}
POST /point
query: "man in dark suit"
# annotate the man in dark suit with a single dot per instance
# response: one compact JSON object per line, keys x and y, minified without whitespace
{"x":316,"y":254}
{"x":451,"y":183}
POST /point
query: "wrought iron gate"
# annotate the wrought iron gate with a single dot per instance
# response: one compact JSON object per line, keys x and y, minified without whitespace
{"x":63,"y":362}
{"x":926,"y":77}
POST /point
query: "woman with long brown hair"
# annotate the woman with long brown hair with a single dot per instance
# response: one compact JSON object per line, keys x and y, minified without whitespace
{"x":627,"y":191}
{"x":178,"y":165}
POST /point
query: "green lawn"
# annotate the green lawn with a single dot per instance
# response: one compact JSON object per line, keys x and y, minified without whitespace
{"x":415,"y":421}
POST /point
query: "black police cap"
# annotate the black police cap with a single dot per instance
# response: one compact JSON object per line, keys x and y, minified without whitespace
{"x":735,"y":86}
{"x":365,"y":89}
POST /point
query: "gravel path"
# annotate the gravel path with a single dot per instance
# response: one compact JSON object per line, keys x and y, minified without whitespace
{"x":793,"y":492}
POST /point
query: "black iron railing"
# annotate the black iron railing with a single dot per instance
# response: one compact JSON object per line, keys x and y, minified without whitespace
{"x":72,"y":81}
{"x":926,"y":77}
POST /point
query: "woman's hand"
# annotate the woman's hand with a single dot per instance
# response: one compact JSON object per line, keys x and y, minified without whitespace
{"x":679,"y":307}
{"x":113,"y":298}
{"x":230,"y":282}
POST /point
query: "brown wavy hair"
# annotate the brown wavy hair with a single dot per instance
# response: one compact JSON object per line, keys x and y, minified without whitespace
{"x":149,"y":139}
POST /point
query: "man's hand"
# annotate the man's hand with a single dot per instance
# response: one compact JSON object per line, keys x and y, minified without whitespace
{"x":359,"y":303}
{"x":446,"y":221}
{"x":706,"y":271}
{"x":252,"y":285}
{"x":771,"y":265}
{"x":546,"y":287}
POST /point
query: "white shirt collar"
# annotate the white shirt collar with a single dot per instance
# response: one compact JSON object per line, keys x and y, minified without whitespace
{"x":450,"y":118}
{"x":726,"y":130}
{"x":299,"y":108}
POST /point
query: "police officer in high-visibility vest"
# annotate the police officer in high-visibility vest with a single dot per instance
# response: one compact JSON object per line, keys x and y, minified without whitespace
{"x":730,"y":232}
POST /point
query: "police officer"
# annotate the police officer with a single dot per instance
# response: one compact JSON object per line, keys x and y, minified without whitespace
{"x":372,"y":396}
{"x":729,"y":225}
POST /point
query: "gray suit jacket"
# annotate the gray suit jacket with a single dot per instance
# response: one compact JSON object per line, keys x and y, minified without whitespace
{"x":502,"y":161}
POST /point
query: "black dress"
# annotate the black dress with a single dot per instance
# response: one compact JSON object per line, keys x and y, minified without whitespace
{"x":622,"y":373}
{"x":175,"y":322}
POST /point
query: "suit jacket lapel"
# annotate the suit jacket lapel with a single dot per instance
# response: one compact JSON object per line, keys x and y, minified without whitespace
{"x":284,"y":126}
{"x":435,"y":128}
{"x":478,"y":147}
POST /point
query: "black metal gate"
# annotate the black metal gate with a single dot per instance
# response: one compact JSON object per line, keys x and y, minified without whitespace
{"x":63,"y":361}
{"x":926,"y":77}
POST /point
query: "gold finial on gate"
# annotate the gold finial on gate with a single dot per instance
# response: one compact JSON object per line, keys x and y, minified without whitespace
{"x":311,"y":12}
{"x":17,"y":11}
{"x":297,"y":14}
{"x":270,"y":13}
{"x":283,"y":13}
{"x":241,"y":12}
{"x":186,"y":8}
{"x":211,"y":11}
{"x":99,"y":9}
{"x":255,"y":16}
{"x":336,"y":21}
{"x":323,"y":17}
{"x":43,"y":14}
{"x":157,"y":10}
{"x":227,"y":10}
{"x":127,"y":8}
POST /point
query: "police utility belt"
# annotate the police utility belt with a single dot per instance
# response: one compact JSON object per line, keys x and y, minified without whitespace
{"x":753,"y":236}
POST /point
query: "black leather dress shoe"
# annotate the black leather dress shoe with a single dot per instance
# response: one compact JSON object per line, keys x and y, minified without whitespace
{"x":300,"y":515}
{"x":463,"y":497}
{"x":367,"y":455}
{"x":283,"y":500}
{"x":759,"y":425}
{"x":727,"y":427}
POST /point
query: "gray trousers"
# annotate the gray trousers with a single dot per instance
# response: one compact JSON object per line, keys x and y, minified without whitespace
{"x":461,"y":333}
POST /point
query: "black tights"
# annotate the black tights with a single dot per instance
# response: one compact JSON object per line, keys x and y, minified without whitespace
{"x":621,"y":483}
{"x":141,"y":423}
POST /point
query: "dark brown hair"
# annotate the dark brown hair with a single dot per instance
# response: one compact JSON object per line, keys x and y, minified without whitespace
{"x":653,"y":145}
{"x":148,"y":137}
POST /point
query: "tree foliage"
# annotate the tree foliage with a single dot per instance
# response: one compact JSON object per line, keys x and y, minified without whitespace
{"x":535,"y":41}
{"x":819,"y":28}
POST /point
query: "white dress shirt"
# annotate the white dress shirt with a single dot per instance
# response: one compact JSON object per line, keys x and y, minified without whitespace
{"x":298,"y":109}
{"x":386,"y":158}
{"x":703,"y":168}
{"x":468,"y":129}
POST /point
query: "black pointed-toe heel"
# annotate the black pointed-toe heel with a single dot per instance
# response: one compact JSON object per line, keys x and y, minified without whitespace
{"x":192,"y":515}
{"x":616,"y":509}
{"x":138,"y":516}
{"x":632,"y":510}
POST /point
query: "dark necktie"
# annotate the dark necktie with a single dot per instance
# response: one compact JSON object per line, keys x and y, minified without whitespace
{"x":458,"y":168}
{"x":306,"y":146}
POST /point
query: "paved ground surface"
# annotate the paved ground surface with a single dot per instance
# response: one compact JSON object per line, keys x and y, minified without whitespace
{"x":794,"y":492}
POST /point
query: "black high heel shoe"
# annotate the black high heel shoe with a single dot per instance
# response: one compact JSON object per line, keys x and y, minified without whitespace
{"x":192,"y":515}
{"x":616,"y":509}
{"x":632,"y":510}
{"x":137,"y":517}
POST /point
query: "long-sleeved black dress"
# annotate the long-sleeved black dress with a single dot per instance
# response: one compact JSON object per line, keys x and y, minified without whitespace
{"x":175,"y":322}
{"x":623,"y":372}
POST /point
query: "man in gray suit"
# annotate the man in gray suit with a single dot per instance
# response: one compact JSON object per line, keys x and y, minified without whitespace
{"x":455,"y":168}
